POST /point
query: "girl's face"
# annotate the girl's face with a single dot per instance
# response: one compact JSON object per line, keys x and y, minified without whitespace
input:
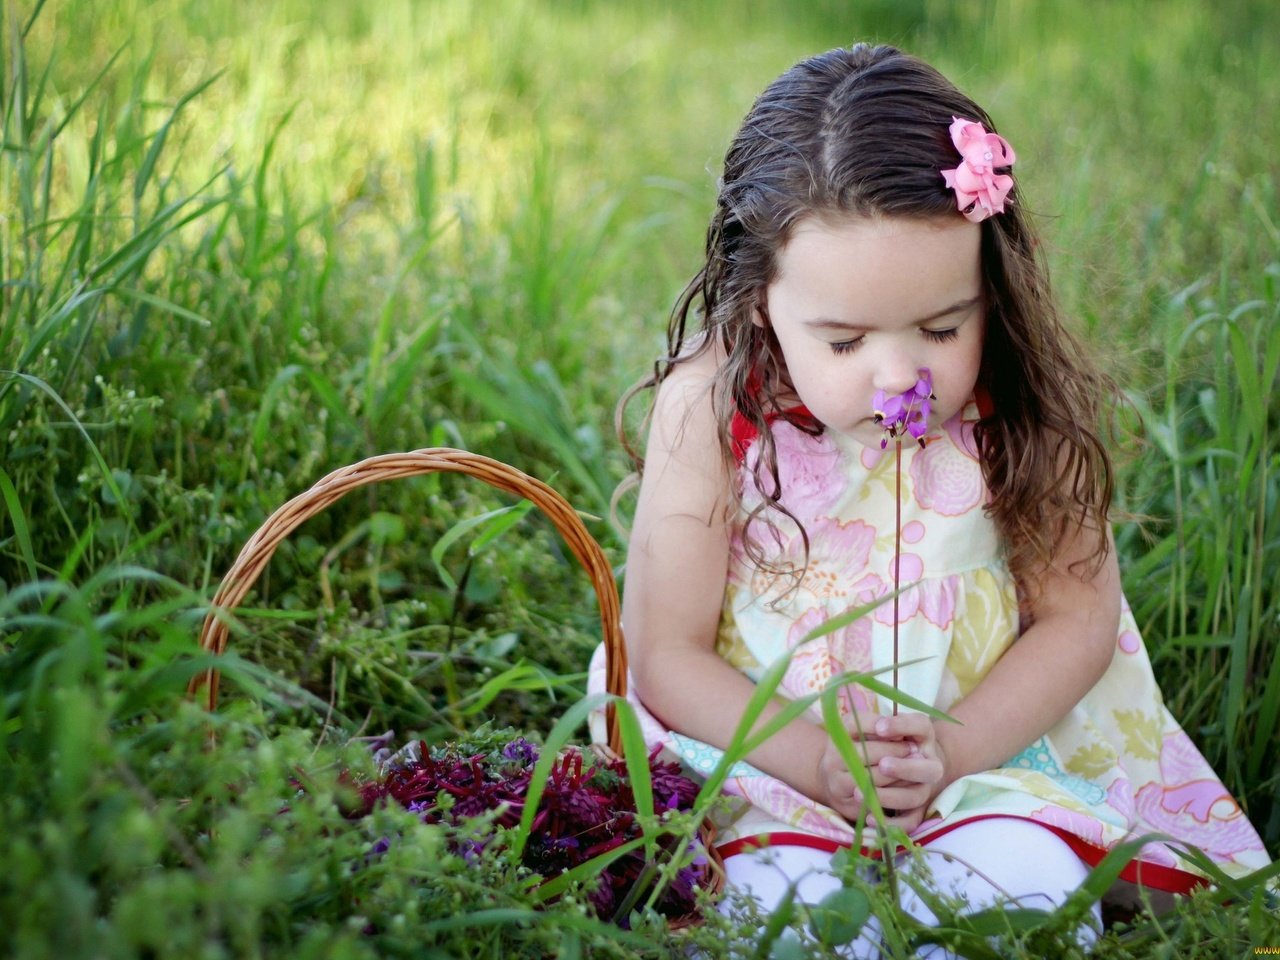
{"x":863,"y":304}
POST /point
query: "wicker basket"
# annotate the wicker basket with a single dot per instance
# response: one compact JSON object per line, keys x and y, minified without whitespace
{"x":257,"y":552}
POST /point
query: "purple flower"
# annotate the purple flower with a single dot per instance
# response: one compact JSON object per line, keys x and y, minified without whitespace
{"x":670,"y":783}
{"x":569,"y":798}
{"x":521,"y":750}
{"x":684,"y":885}
{"x":563,"y":843}
{"x":906,"y":412}
{"x":469,"y":849}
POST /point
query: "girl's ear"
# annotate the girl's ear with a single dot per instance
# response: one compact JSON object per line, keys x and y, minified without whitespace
{"x":759,"y":316}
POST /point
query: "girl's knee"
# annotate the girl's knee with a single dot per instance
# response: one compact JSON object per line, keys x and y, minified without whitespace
{"x":1001,"y":860}
{"x":768,"y":873}
{"x":1007,"y":857}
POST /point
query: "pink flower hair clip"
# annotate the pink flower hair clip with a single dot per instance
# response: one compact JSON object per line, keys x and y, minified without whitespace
{"x":980,"y":191}
{"x":906,"y":412}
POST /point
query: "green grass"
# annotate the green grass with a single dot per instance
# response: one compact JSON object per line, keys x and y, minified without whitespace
{"x":244,"y":244}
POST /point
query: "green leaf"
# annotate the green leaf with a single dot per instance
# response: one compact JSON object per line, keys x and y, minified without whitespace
{"x":1238,"y":663}
{"x":764,"y":690}
{"x":495,"y":917}
{"x":1102,"y":877}
{"x":788,"y":947}
{"x":386,"y":527}
{"x":838,"y":917}
{"x":270,"y":397}
{"x":1002,"y":920}
{"x":158,"y":140}
{"x":521,"y":676}
{"x":465,"y":526}
{"x":499,"y":525}
{"x":843,"y":741}
{"x":903,"y":699}
{"x":332,"y":401}
{"x":160,"y":303}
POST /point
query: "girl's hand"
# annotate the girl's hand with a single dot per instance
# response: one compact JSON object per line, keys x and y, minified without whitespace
{"x":840,"y":790}
{"x":913,"y":780}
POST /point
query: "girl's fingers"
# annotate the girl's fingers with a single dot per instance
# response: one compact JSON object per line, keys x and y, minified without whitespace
{"x":914,"y":725}
{"x":882,"y":779}
{"x":845,"y":791}
{"x":906,"y":797}
{"x":862,"y":724}
{"x":917,"y":769}
{"x":842,"y":785}
{"x":874,"y":751}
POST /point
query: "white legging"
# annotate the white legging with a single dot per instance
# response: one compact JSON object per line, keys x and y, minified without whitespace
{"x":1000,"y":859}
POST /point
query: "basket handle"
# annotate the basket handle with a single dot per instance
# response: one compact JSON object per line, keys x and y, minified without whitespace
{"x":257,"y":552}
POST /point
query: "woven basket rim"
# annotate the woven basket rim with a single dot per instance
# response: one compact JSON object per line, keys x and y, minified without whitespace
{"x":261,"y":546}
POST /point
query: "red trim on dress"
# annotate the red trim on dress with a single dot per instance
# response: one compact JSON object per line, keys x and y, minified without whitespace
{"x":982,"y":400}
{"x":743,"y":433}
{"x":780,"y":838}
{"x":1146,"y":874}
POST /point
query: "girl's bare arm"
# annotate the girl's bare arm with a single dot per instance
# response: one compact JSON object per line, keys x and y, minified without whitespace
{"x":1046,"y":671}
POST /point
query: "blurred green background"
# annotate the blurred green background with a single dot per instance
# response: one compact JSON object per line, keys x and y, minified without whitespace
{"x":245,"y":244}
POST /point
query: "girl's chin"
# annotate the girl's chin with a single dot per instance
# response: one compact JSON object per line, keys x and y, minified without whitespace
{"x":866,"y":432}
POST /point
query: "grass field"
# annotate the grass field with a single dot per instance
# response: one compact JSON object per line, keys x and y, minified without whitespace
{"x":242,"y":245}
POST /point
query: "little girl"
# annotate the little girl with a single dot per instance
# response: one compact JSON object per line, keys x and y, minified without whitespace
{"x":880,"y":391}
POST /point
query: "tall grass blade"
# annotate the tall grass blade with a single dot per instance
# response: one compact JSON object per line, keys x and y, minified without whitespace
{"x":636,"y":755}
{"x":19,"y":520}
{"x":145,"y":171}
{"x":266,"y":407}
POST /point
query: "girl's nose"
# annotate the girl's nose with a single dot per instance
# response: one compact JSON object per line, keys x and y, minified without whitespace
{"x":896,"y":372}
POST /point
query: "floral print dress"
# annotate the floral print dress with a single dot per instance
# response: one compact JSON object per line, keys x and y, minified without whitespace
{"x":1116,"y":767}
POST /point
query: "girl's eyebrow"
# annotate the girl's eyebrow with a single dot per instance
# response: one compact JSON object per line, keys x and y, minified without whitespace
{"x":960,"y":306}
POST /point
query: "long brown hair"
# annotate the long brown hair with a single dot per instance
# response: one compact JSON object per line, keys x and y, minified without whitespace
{"x":865,"y":132}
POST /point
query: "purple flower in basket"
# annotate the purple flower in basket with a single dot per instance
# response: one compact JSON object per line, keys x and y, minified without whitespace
{"x":521,"y":751}
{"x":671,"y":788}
{"x":587,"y":809}
{"x":569,"y":798}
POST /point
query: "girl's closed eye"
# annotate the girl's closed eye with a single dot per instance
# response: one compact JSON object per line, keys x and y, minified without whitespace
{"x":846,"y":346}
{"x":937,"y":336}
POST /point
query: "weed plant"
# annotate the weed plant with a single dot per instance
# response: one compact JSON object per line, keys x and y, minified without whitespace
{"x":244,"y":244}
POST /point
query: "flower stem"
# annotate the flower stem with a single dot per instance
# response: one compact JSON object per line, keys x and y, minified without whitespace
{"x":897,"y":557}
